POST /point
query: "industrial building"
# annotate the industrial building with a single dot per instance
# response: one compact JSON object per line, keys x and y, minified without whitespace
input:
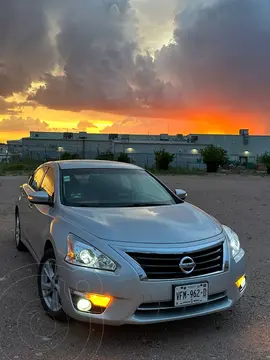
{"x":4,"y":157}
{"x":244,"y":148}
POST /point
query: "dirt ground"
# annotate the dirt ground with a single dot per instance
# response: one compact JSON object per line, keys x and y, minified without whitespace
{"x":237,"y":201}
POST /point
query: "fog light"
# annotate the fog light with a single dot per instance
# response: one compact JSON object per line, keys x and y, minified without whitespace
{"x":84,"y":305}
{"x":241,"y":283}
{"x":99,"y":300}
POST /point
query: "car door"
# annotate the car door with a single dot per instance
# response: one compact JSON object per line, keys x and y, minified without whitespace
{"x":25,"y":209}
{"x":41,"y":215}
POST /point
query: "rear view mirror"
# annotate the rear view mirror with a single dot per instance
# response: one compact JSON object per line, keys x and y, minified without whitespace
{"x":39,"y":198}
{"x":182,"y":194}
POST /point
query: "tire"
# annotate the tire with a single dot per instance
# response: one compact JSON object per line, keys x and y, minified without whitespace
{"x":48,"y":287}
{"x":17,"y":236}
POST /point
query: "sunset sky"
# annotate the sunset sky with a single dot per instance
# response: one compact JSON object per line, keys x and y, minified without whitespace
{"x":134,"y":66}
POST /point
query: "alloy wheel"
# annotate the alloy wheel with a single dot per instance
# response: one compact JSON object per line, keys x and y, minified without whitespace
{"x":17,"y":231}
{"x":50,"y":285}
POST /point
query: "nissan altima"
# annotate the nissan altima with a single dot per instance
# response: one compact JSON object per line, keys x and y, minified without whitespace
{"x":116,"y":246}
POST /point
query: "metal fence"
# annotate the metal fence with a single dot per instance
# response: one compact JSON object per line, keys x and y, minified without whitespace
{"x":186,"y":161}
{"x":180,"y":161}
{"x":140,"y":159}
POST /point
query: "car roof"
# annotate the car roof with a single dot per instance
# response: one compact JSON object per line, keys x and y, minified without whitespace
{"x":92,"y":164}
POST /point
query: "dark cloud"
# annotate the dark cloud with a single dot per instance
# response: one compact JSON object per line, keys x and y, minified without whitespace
{"x":25,"y":51}
{"x":221,"y":55}
{"x":219,"y":58}
{"x":96,"y":46}
{"x":13,"y":107}
{"x":151,"y":92}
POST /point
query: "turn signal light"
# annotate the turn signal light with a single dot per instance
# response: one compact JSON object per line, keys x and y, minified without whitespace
{"x":241,"y":283}
{"x":99,"y":300}
{"x":70,"y":255}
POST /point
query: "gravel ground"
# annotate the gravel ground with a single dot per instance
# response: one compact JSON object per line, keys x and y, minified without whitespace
{"x":244,"y":333}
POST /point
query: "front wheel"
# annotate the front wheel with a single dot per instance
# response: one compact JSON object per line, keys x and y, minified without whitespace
{"x":18,"y":241}
{"x":49,"y":287}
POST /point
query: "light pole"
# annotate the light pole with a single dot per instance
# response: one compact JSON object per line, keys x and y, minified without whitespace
{"x":60,"y":150}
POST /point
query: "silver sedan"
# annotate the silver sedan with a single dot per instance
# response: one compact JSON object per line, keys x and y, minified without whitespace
{"x":116,"y":246}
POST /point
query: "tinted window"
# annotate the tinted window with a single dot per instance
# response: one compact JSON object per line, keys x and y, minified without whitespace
{"x":37,"y":178}
{"x":112,"y":188}
{"x":48,"y":182}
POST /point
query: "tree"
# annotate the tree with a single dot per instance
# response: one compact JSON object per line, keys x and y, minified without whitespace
{"x":107,"y":155}
{"x":69,"y":156}
{"x":123,"y":157}
{"x":163,"y":159}
{"x":213,"y":157}
{"x":265,"y":159}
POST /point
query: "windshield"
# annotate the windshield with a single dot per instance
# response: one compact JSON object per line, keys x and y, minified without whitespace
{"x":112,"y":188}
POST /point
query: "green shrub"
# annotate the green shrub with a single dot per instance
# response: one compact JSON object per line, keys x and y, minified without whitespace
{"x":213,"y":157}
{"x":163,"y":159}
{"x":265,"y":159}
{"x":175,"y":171}
{"x":107,"y":155}
{"x":15,"y":167}
{"x":123,"y":157}
{"x":18,"y":167}
{"x":69,"y":156}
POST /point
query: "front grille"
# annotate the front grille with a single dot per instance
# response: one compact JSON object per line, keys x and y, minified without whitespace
{"x":166,"y":266}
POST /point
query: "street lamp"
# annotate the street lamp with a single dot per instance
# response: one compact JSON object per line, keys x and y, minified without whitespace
{"x":60,"y":150}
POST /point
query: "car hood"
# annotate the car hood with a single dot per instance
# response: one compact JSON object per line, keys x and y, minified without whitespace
{"x":157,"y":225}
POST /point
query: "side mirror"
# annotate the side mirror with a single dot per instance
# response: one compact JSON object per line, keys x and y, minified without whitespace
{"x":182,"y":194}
{"x":39,"y":198}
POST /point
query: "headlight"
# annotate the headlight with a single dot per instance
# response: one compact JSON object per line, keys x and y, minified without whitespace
{"x":82,"y":254}
{"x":234,"y":240}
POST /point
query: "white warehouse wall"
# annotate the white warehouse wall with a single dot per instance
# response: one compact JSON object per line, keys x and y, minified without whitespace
{"x":43,"y":145}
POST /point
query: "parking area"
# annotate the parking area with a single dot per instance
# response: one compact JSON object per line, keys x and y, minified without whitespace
{"x":243,"y":333}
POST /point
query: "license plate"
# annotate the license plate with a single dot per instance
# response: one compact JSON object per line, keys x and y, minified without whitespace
{"x":190,"y":294}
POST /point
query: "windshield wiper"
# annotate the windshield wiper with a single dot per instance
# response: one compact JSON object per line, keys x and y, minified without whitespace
{"x":84,"y":205}
{"x":144,"y":204}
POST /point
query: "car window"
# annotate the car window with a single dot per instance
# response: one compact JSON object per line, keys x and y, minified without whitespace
{"x":112,"y":188}
{"x":37,"y":178}
{"x":147,"y":187}
{"x":48,"y":182}
{"x":125,"y":180}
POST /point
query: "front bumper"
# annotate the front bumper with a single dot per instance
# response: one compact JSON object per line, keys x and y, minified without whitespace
{"x":145,"y":302}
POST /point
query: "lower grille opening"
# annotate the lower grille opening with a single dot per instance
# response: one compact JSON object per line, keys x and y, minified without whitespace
{"x":167,"y":308}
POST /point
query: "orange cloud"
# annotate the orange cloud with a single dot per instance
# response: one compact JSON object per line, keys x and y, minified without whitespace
{"x":7,"y":107}
{"x":84,"y":125}
{"x":16,"y":124}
